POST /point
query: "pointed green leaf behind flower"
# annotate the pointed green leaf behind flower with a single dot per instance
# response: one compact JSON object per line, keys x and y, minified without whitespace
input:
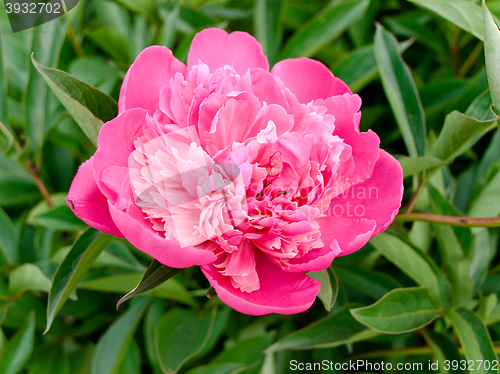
{"x":415,"y":264}
{"x":20,"y":347}
{"x":155,"y":275}
{"x":113,"y":344}
{"x":28,"y":277}
{"x":329,"y":286}
{"x":337,"y":329}
{"x":399,"y":311}
{"x":412,"y":165}
{"x":462,"y":13}
{"x":492,"y":55}
{"x":328,"y":24}
{"x":474,"y":338}
{"x":401,"y":91}
{"x":72,"y":269}
{"x":121,"y":283}
{"x":459,"y":133}
{"x":88,"y":106}
{"x":183,"y":334}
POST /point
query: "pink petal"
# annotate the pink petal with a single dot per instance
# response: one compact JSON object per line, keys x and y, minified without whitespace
{"x":116,"y":143}
{"x":308,"y":79}
{"x":138,"y":231}
{"x":217,"y":48}
{"x":151,"y":70}
{"x":365,"y":145}
{"x":316,"y":259}
{"x":348,"y":235}
{"x":232,"y":122}
{"x":88,"y":203}
{"x":378,"y":198}
{"x":267,"y":88}
{"x":280,"y":291}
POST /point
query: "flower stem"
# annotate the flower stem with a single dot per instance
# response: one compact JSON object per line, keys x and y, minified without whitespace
{"x":450,"y":220}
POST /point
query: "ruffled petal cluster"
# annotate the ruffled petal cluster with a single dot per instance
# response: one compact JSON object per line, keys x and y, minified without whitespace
{"x":258,"y":176}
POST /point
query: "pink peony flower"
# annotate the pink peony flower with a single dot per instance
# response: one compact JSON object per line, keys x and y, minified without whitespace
{"x":257,"y":176}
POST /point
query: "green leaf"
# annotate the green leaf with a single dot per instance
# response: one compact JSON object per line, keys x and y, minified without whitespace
{"x":492,"y":55}
{"x":369,"y":282}
{"x":113,"y":344}
{"x":28,"y":277}
{"x":399,"y":311}
{"x":131,"y":363}
{"x":462,"y":13}
{"x":487,"y":203}
{"x":474,"y":338}
{"x":92,"y":70}
{"x":324,"y":27}
{"x":440,"y":205}
{"x":444,"y":349}
{"x":481,"y":255}
{"x":170,"y":19}
{"x":401,"y":91}
{"x":144,"y":7}
{"x":329,"y":286}
{"x":358,"y":68}
{"x":9,"y":244}
{"x":151,"y":319}
{"x":88,"y":106}
{"x":459,"y":134}
{"x":183,"y":334}
{"x":457,"y":266}
{"x":246,"y":352}
{"x":20,"y":347}
{"x":120,"y":283}
{"x":47,"y":41}
{"x":17,"y":186}
{"x":337,"y":329}
{"x":267,"y":26}
{"x":58,"y":217}
{"x":413,"y":263}
{"x":74,"y":266}
{"x":3,"y":84}
{"x":112,"y":42}
{"x":480,"y":108}
{"x":155,"y":275}
{"x":413,"y":165}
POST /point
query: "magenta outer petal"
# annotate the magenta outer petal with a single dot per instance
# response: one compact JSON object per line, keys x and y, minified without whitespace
{"x":347,"y":234}
{"x":308,"y":79}
{"x":378,"y":198}
{"x":116,"y":143}
{"x":280,"y":291}
{"x":216,"y":48}
{"x":151,"y":70}
{"x":88,"y":203}
{"x":168,"y":252}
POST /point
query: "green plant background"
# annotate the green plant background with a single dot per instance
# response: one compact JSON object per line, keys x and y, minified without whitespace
{"x":420,"y":291}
